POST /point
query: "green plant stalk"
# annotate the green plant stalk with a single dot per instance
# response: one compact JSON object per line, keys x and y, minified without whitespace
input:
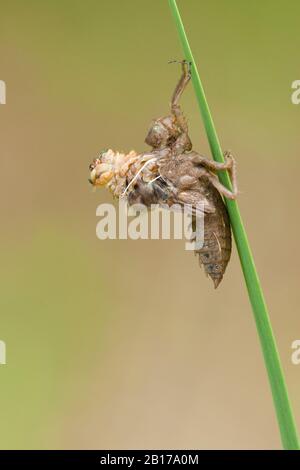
{"x":276,"y":377}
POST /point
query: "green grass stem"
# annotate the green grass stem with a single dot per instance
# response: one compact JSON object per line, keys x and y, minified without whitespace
{"x":283,"y":409}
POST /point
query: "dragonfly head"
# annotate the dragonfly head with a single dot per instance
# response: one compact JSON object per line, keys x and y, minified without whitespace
{"x":102,"y":168}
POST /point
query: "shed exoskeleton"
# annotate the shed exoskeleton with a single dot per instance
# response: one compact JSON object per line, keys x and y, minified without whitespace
{"x":172,"y":173}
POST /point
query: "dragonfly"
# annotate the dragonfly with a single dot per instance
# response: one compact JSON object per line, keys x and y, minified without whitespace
{"x":170,"y":173}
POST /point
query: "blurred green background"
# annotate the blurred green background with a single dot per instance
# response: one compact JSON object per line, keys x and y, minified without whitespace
{"x":125,"y":344}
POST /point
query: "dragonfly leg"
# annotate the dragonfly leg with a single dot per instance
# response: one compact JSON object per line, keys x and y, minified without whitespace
{"x":229,"y":165}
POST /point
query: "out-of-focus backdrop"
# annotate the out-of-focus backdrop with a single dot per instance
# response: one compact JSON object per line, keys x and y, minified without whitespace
{"x":125,"y":344}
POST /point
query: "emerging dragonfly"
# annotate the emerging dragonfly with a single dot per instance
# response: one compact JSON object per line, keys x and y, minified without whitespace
{"x":171,"y":173}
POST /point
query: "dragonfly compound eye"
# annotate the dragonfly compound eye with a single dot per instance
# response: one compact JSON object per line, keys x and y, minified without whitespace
{"x":157,"y":136}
